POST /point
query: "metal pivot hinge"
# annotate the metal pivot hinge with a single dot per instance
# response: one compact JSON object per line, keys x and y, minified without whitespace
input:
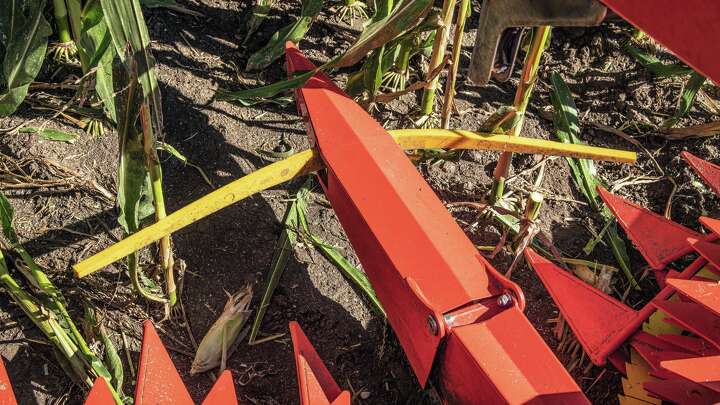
{"x":498,"y":15}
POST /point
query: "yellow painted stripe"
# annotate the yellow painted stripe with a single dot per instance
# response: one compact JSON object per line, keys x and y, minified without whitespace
{"x":271,"y":175}
{"x":459,"y":139}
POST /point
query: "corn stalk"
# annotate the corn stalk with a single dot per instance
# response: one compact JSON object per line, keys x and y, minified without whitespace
{"x":48,"y":311}
{"x":541,"y":36}
{"x":438,"y":55}
{"x":452,"y":75}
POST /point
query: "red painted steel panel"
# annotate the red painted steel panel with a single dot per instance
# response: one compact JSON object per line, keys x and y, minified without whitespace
{"x":689,"y":28}
{"x":401,"y":231}
{"x":712,"y":224}
{"x":422,"y":265}
{"x":503,"y":360}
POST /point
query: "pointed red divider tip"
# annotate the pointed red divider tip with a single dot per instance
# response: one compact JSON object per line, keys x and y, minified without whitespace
{"x":223,"y":392}
{"x":712,"y":224}
{"x":100,"y":393}
{"x":705,"y":293}
{"x":7,"y":397}
{"x":702,"y":370}
{"x":158,"y":382}
{"x":658,"y":239}
{"x":594,"y":317}
{"x":708,"y":171}
{"x":692,"y":317}
{"x":317,"y":387}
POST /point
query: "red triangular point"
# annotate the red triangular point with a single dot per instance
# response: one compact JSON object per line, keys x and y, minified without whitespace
{"x":708,"y":171}
{"x":158,"y":382}
{"x":223,"y":392}
{"x":712,"y":224}
{"x":702,"y":370}
{"x":694,"y":318}
{"x":317,"y":387}
{"x":100,"y":393}
{"x":695,"y":345}
{"x":681,"y":391}
{"x":705,"y":293}
{"x":593,"y":316}
{"x":658,"y":239}
{"x":710,"y":251}
{"x":7,"y":397}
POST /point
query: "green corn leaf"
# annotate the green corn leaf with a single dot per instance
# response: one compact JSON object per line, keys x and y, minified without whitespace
{"x":373,"y":72}
{"x":24,"y":36}
{"x":654,"y":65}
{"x":567,"y":129}
{"x":179,"y":156}
{"x":157,"y":3}
{"x":687,"y":99}
{"x":293,"y":33}
{"x":258,"y":94}
{"x":283,"y":250}
{"x":112,"y":358}
{"x":50,"y":134}
{"x":258,"y":14}
{"x":95,"y":41}
{"x":131,"y":40}
{"x":356,"y":276}
{"x":403,"y":18}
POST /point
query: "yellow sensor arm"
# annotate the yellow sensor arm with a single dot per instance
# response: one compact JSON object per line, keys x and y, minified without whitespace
{"x":309,"y":161}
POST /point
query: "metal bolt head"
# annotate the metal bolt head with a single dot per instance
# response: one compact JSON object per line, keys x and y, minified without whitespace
{"x":432,"y":325}
{"x":504,"y":300}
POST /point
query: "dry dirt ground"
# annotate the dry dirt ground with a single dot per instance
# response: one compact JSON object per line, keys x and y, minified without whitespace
{"x":196,"y":55}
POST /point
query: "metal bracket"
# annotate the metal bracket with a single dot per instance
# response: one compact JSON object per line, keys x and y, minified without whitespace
{"x":498,"y":15}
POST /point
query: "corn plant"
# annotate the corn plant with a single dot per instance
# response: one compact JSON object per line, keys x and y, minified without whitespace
{"x":378,"y":32}
{"x":47,"y":309}
{"x":294,"y":32}
{"x":352,"y":9}
{"x":438,"y":55}
{"x":541,"y":36}
{"x":139,"y":125}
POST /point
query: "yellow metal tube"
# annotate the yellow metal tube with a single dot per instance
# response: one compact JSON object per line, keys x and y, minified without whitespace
{"x":308,"y":161}
{"x":459,"y":139}
{"x":271,"y":175}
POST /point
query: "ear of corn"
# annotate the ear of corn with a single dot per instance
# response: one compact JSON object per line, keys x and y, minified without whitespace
{"x":216,"y":343}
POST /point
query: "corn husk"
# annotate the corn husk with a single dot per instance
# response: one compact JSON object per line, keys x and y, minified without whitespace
{"x":214,"y":347}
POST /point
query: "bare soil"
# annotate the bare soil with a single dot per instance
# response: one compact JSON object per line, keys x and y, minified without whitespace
{"x":62,"y":225}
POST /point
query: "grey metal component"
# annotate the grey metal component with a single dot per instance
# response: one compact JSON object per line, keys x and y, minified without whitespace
{"x":496,"y":15}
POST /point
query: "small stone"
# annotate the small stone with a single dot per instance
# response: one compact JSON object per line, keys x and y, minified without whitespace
{"x":364,"y":395}
{"x":449,"y":167}
{"x":474,"y":156}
